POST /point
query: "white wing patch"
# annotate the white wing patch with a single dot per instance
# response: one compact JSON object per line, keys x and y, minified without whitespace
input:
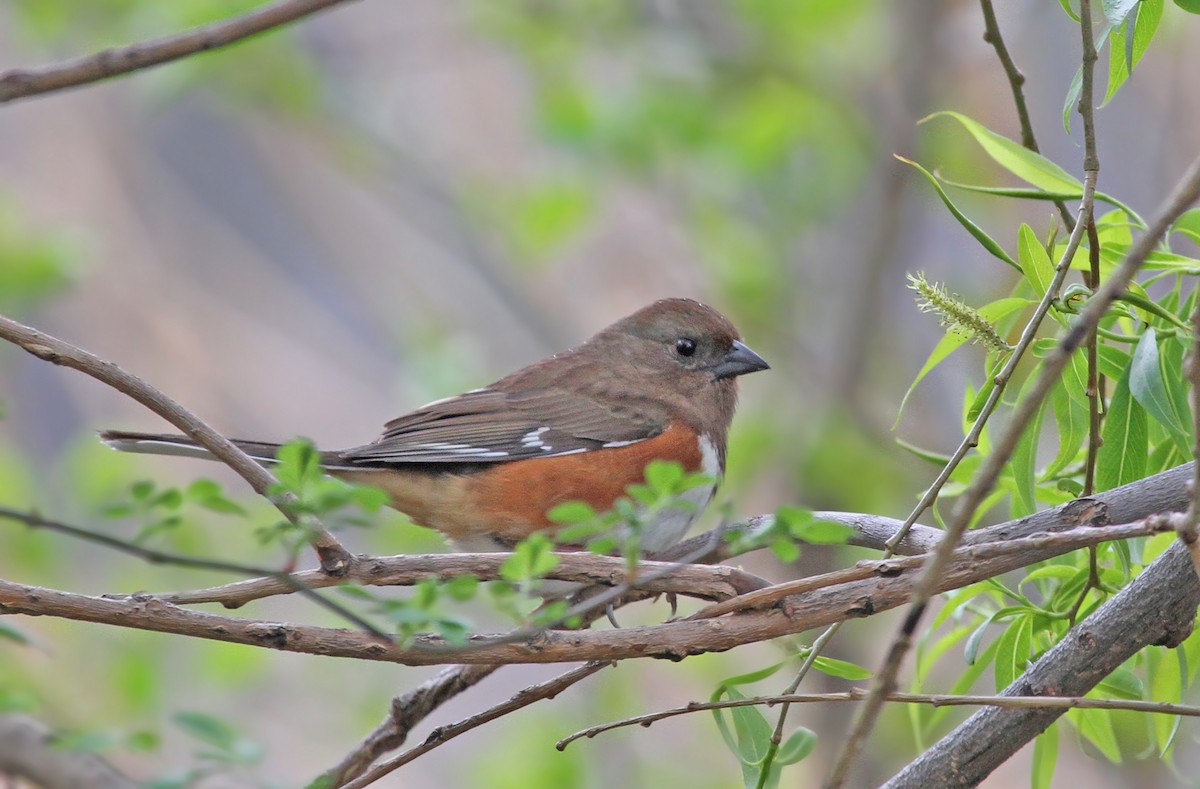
{"x":532,"y":440}
{"x":466,"y":450}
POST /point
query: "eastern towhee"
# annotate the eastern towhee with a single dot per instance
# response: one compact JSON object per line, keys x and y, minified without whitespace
{"x":484,"y":467}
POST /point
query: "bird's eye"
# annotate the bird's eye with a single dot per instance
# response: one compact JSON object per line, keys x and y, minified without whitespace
{"x":685,"y":346}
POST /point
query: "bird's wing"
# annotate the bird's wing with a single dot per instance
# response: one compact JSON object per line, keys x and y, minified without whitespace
{"x":490,"y":426}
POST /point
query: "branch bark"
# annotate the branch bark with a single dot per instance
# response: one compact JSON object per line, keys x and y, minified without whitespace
{"x":1158,"y":609}
{"x":20,"y":83}
{"x":335,"y":559}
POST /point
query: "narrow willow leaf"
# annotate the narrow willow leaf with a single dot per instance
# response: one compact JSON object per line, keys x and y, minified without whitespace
{"x":1030,"y":193}
{"x":1097,"y":728}
{"x":1012,"y":652}
{"x":1122,"y":456}
{"x":975,"y":230}
{"x":1148,"y":388}
{"x":1130,"y":38}
{"x":1035,"y":263}
{"x":1018,"y":160}
{"x":1116,"y":10}
{"x":1045,"y":757}
{"x":1077,"y":82}
{"x":1024,"y":463}
{"x":1071,"y":419}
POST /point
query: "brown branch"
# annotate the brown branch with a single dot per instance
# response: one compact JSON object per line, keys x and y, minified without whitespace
{"x":1016,"y":83}
{"x":1185,"y":193}
{"x":335,"y":560}
{"x":672,"y":640}
{"x":1156,"y":608}
{"x":29,"y":750}
{"x":406,"y":712}
{"x":443,"y":734}
{"x":1188,"y":533}
{"x":702,"y":581}
{"x":22,"y":82}
{"x":860,"y":694}
{"x":288,"y":582}
{"x":964,"y":509}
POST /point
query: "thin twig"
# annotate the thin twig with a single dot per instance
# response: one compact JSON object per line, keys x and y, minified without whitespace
{"x":335,"y":559}
{"x":963,"y":511}
{"x":1016,"y":82}
{"x":22,"y":82}
{"x":287,"y":581}
{"x":707,"y":582}
{"x":673,"y":640}
{"x":1183,"y":196}
{"x":860,"y":694}
{"x":443,"y":734}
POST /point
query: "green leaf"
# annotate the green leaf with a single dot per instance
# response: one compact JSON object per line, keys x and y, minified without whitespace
{"x":208,"y":729}
{"x":1116,"y":10}
{"x":1045,"y":757}
{"x":841,"y":668}
{"x":796,"y":747}
{"x":1071,"y":420}
{"x":1150,"y":390}
{"x":1013,"y":650}
{"x":975,"y":230}
{"x":1018,"y":160}
{"x":570,"y":512}
{"x":821,"y":532}
{"x":1097,"y":728}
{"x":1166,"y":684}
{"x":532,"y":558}
{"x":1191,"y":6}
{"x":1035,"y":263}
{"x":1122,"y":456}
{"x":1024,"y":462}
{"x":664,"y":476}
{"x":12,"y":633}
{"x":1129,"y":41}
{"x":1072,"y":100}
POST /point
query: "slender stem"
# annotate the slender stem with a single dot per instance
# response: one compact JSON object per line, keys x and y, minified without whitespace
{"x":860,"y":694}
{"x":286,"y":580}
{"x":22,"y":82}
{"x":335,"y":559}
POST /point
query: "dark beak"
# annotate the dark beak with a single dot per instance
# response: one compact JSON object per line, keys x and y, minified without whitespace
{"x":739,"y":361}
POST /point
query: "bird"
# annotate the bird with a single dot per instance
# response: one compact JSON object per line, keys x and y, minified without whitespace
{"x":485,"y":467}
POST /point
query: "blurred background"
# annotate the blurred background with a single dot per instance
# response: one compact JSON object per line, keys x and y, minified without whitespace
{"x":318,"y":229}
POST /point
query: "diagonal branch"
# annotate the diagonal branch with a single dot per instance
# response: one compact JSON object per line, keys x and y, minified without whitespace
{"x":19,"y":83}
{"x":1157,"y":608}
{"x":335,"y":560}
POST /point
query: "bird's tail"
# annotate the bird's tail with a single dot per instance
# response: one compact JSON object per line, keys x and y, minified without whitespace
{"x":182,"y":446}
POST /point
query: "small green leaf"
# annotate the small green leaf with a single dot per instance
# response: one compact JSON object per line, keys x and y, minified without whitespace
{"x":1122,"y":456}
{"x":841,"y":668}
{"x":664,"y":476}
{"x":822,"y":532}
{"x":796,"y":747}
{"x":975,"y":230}
{"x":1045,"y":757}
{"x":1018,"y":160}
{"x":1191,"y":6}
{"x":1012,"y":651}
{"x":1035,"y":262}
{"x":571,"y":512}
{"x":12,"y":633}
{"x":1150,"y":390}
